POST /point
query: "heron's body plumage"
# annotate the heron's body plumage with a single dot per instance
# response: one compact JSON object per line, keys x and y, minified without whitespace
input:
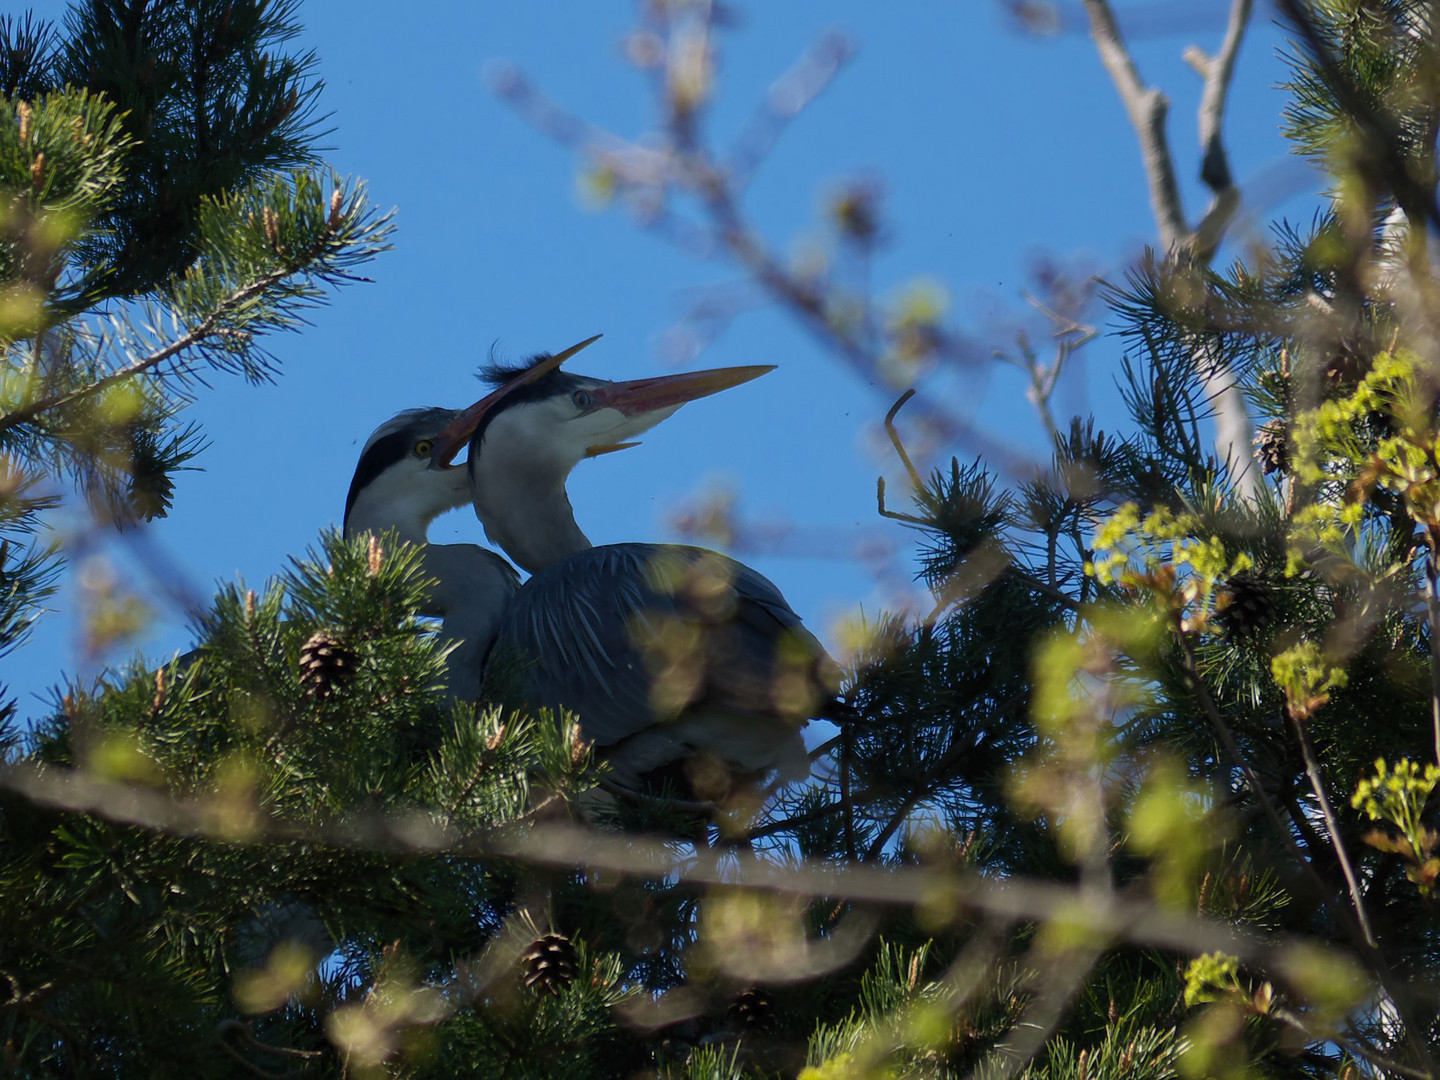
{"x":661,"y":649}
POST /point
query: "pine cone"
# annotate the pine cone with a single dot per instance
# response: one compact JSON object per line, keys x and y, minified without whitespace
{"x":1272,"y":447}
{"x":149,"y":489}
{"x":326,"y":663}
{"x":550,"y":964}
{"x":751,"y":1011}
{"x":1245,"y":605}
{"x":151,"y":494}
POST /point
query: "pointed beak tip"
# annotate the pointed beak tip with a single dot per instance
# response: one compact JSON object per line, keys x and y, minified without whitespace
{"x":608,"y":448}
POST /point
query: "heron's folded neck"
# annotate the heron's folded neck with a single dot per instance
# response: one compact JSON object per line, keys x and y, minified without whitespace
{"x":470,"y":590}
{"x":534,"y":528}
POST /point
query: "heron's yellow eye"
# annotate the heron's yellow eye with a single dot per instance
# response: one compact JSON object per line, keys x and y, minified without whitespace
{"x":423,"y":448}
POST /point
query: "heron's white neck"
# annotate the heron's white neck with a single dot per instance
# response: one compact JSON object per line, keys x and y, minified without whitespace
{"x":532,"y":522}
{"x":472,"y":588}
{"x":406,"y":503}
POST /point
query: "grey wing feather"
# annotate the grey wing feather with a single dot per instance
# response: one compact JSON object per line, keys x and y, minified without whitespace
{"x":622,"y":636}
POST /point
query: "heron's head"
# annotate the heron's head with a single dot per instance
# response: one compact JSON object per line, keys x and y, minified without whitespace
{"x":406,"y":476}
{"x":543,"y":421}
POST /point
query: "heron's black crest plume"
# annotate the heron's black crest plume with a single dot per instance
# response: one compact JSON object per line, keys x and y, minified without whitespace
{"x":497,"y":372}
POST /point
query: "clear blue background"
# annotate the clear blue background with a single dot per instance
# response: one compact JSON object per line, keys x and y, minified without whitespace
{"x":993,"y":146}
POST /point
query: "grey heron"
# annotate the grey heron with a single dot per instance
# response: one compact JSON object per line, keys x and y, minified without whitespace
{"x":670,"y":655}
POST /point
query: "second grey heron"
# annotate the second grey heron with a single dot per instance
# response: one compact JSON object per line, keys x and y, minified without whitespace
{"x":669,"y":654}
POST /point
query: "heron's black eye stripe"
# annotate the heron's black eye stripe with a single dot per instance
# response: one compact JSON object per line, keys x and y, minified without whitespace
{"x":382,"y":454}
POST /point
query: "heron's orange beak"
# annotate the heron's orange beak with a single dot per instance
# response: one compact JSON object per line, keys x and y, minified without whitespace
{"x":641,"y":396}
{"x":463,"y":426}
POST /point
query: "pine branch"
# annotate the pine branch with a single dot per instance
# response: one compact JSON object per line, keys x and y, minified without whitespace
{"x":249,"y":282}
{"x":1415,"y":194}
{"x":211,"y":326}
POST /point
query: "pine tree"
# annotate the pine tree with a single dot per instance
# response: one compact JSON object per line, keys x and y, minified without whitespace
{"x":1147,"y":795}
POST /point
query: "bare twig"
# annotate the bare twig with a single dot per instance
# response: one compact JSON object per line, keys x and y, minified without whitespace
{"x":1069,"y":337}
{"x":1432,"y":610}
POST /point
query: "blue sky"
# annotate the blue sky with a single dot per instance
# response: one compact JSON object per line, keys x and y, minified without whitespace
{"x":993,"y":146}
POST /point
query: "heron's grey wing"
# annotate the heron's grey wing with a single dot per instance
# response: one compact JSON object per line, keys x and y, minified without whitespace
{"x":630,"y":635}
{"x":763,"y":658}
{"x":572,"y":628}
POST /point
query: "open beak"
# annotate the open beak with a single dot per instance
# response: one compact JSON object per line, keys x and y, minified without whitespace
{"x":640,"y":396}
{"x":463,"y":426}
{"x":648,"y":401}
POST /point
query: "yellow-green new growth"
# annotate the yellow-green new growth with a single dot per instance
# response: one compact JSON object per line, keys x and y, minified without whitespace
{"x":1131,"y":552}
{"x":1306,"y":677}
{"x":1397,"y":797}
{"x":1339,"y":453}
{"x":1212,"y":977}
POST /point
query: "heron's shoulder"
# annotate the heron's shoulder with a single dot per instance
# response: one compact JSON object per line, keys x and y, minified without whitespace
{"x":644,"y":557}
{"x":473,"y":559}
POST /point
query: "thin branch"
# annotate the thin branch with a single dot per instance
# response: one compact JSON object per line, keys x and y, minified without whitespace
{"x":565,"y":844}
{"x":785,"y":824}
{"x":847,"y":806}
{"x":1312,"y":770}
{"x":1432,"y":610}
{"x":1219,"y":73}
{"x":786,"y":98}
{"x":1262,"y":797}
{"x":1359,"y":1049}
{"x":897,"y":442}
